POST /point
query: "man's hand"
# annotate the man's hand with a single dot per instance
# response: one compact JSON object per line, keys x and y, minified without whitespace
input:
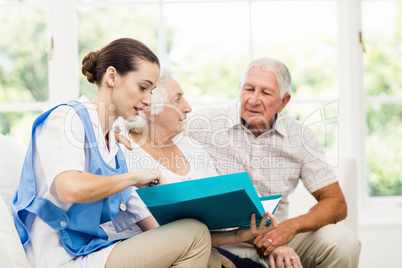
{"x":284,"y":256}
{"x":280,"y":236}
{"x":121,"y":139}
{"x":330,"y":208}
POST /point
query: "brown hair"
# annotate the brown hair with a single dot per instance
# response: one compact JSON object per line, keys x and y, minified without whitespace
{"x":123,"y":54}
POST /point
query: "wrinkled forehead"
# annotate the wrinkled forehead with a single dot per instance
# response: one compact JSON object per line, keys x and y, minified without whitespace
{"x":172,"y":88}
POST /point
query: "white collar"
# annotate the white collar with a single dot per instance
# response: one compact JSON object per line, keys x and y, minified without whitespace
{"x":93,"y":115}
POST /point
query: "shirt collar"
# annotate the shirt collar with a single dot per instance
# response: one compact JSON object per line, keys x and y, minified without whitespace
{"x":93,"y":115}
{"x":235,"y":114}
{"x":278,"y":125}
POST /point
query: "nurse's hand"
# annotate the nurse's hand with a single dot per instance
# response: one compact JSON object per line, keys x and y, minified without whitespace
{"x":148,"y":177}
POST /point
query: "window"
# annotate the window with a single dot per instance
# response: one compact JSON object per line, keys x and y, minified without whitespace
{"x":383,"y":88}
{"x":97,"y":26}
{"x":218,"y":46}
{"x":23,"y":66}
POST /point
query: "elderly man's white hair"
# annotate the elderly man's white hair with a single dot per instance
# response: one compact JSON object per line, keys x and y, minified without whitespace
{"x":271,"y":65}
{"x":158,"y":98}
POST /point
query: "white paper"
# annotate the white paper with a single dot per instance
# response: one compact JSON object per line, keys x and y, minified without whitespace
{"x":270,"y":205}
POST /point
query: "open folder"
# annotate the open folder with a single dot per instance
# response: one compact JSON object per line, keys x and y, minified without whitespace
{"x":219,"y":202}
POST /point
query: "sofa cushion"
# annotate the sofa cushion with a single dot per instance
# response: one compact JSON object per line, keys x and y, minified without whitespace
{"x":12,"y":253}
{"x":12,"y":156}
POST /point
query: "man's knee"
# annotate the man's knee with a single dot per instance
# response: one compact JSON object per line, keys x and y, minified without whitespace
{"x":338,"y":243}
{"x":340,"y":236}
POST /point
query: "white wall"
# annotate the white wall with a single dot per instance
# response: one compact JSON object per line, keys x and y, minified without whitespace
{"x":381,"y":245}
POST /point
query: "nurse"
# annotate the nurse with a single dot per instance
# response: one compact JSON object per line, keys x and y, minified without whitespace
{"x":75,"y":185}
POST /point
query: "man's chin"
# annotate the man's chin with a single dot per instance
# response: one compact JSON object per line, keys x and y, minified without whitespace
{"x":256,"y":120}
{"x":256,"y":123}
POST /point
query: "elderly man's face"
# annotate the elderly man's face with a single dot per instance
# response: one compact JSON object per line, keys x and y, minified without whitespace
{"x":173,"y":117}
{"x":261,"y":99}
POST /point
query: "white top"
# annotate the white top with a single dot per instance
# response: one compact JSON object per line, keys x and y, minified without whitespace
{"x":276,"y":160}
{"x":201,"y":163}
{"x":60,"y":146}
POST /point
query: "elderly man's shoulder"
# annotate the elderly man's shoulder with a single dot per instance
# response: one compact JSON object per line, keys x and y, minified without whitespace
{"x":213,"y":111}
{"x":293,"y":126}
{"x":207,"y":120}
{"x":214,"y":118}
{"x":288,"y":120}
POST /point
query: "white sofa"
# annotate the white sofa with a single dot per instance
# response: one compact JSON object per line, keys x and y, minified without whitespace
{"x":12,"y":156}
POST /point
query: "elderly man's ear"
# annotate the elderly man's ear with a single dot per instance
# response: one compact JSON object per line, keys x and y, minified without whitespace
{"x":285,"y":101}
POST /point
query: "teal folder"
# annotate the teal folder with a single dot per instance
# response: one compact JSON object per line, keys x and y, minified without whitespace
{"x":219,"y":202}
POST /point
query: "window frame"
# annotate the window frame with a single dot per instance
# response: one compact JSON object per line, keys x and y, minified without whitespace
{"x":387,"y":209}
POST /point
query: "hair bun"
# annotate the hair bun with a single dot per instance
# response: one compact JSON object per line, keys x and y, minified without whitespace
{"x":89,"y":66}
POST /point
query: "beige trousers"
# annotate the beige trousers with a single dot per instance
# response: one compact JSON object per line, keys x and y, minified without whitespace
{"x":183,"y":243}
{"x":332,"y":246}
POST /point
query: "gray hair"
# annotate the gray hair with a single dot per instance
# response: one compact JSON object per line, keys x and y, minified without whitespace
{"x":158,"y":97}
{"x":271,"y":65}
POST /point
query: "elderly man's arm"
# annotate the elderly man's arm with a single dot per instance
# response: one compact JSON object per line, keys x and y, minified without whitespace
{"x":331,"y":208}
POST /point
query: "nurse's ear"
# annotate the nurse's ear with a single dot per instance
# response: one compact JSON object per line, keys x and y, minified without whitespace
{"x":110,"y":76}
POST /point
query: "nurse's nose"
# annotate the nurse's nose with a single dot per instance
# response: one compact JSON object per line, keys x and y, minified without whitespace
{"x":147,"y":101}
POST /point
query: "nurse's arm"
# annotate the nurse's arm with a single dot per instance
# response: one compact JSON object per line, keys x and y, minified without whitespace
{"x":83,"y":187}
{"x":147,"y":224}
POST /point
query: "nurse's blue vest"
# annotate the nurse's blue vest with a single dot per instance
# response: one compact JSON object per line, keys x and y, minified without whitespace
{"x":79,"y":227}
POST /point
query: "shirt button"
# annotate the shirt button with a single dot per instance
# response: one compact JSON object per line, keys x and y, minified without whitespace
{"x":63,"y":224}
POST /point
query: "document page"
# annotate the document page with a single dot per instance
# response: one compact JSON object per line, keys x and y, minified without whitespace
{"x":270,"y":204}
